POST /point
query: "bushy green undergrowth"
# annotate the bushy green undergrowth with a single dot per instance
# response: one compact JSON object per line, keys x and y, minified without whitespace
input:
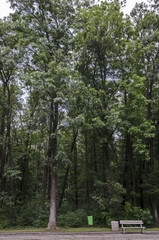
{"x":137,"y":213}
{"x":77,"y":218}
{"x":31,"y":214}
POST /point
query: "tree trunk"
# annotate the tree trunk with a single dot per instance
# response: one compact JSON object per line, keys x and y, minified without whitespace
{"x":45,"y":184}
{"x":106,"y":163}
{"x":87,"y":169}
{"x":155,"y":212}
{"x":76,"y":176}
{"x":73,"y":145}
{"x":94,"y":151}
{"x":2,"y":155}
{"x":128,"y":159}
{"x":52,"y":150}
{"x":52,"y":218}
{"x":133,"y":182}
{"x":64,"y":185}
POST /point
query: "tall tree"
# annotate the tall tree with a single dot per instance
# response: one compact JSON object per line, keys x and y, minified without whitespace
{"x":146,"y":28}
{"x":46,"y":25}
{"x":10,"y":58}
{"x":100,"y":32}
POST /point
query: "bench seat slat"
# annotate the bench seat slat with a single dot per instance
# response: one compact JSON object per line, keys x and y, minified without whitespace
{"x":133,"y":227}
{"x":131,"y":222}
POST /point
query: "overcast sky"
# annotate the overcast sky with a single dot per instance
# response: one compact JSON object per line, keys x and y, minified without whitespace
{"x":131,"y":3}
{"x":5,"y":10}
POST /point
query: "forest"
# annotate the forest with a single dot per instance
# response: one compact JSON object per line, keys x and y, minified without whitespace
{"x":79,"y":113}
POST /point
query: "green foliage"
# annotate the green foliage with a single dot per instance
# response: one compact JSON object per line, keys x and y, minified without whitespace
{"x":7,"y":210}
{"x":137,"y":213}
{"x":109,"y":208}
{"x":77,"y":218}
{"x":32,"y":213}
{"x":78,"y":94}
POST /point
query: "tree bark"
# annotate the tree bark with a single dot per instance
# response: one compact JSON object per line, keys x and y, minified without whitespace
{"x":94,"y":151}
{"x":155,"y":212}
{"x":64,"y":185}
{"x":87,"y":169}
{"x":105,"y":157}
{"x":73,"y":145}
{"x":2,"y":155}
{"x":128,"y":159}
{"x":75,"y":176}
{"x":52,"y":150}
{"x":52,"y":218}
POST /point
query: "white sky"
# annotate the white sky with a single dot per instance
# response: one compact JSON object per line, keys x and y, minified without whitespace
{"x":5,"y":7}
{"x":131,"y":3}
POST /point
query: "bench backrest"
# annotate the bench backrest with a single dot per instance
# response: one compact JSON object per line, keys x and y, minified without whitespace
{"x":131,"y":222}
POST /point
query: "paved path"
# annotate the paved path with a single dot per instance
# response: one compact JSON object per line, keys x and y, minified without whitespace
{"x":79,"y":236}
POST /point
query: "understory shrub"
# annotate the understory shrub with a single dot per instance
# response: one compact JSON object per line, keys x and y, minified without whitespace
{"x":137,"y":213}
{"x":77,"y":218}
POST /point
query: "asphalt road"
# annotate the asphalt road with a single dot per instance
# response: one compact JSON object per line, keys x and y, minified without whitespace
{"x":79,"y":236}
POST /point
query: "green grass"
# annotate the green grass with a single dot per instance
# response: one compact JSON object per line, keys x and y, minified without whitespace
{"x":84,"y":229}
{"x":62,"y":229}
{"x":151,"y":229}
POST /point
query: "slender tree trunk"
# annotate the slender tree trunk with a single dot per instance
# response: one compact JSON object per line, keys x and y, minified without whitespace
{"x":141,"y":170}
{"x":45,"y":184}
{"x":64,"y":185}
{"x":2,"y":133}
{"x":75,"y":134}
{"x":150,"y":144}
{"x":94,"y":151}
{"x":87,"y":168}
{"x":155,"y":211}
{"x":9,"y":157}
{"x":2,"y":155}
{"x":106,"y":163}
{"x":133,"y":182}
{"x":52,"y":218}
{"x":105,"y":166}
{"x":25,"y":168}
{"x":52,"y":150}
{"x":76,"y":176}
{"x":128,"y":168}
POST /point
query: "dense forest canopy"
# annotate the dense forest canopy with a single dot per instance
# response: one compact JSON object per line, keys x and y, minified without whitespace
{"x":79,"y":113}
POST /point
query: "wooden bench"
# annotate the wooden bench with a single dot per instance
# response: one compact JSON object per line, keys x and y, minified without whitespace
{"x":131,"y":224}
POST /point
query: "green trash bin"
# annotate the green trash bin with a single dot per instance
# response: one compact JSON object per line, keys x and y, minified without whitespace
{"x":90,"y":220}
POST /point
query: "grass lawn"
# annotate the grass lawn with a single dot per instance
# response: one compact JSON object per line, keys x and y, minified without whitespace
{"x":62,"y":229}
